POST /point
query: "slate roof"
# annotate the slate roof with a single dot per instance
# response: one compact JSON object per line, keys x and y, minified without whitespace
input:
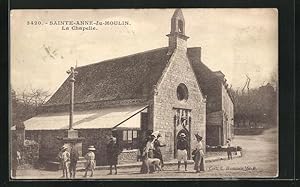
{"x":204,"y":75}
{"x":129,"y":77}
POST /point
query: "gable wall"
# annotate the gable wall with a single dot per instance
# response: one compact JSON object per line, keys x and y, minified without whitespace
{"x":165,"y":99}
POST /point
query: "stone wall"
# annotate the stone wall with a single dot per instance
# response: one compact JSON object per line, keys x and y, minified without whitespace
{"x":165,"y":100}
{"x":228,"y":115}
{"x":99,"y":139}
{"x":50,"y":141}
{"x":128,"y":156}
{"x":30,"y":153}
{"x":214,"y":130}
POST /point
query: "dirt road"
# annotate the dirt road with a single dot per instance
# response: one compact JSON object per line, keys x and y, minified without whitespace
{"x":260,"y":159}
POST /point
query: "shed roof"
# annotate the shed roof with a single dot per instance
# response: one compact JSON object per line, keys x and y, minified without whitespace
{"x":107,"y":118}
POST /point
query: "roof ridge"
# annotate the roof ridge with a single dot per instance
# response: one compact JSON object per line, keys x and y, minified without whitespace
{"x":131,"y":55}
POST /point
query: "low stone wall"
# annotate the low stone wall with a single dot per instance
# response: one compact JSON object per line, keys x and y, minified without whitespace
{"x":248,"y":131}
{"x":29,"y":154}
{"x":128,"y":156}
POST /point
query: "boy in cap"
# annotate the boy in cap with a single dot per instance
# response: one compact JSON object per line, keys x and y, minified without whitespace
{"x":182,"y":146}
{"x":90,"y":164}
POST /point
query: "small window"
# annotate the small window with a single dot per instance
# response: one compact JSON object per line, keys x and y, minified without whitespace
{"x":130,"y":139}
{"x":182,"y":92}
{"x":180,"y":26}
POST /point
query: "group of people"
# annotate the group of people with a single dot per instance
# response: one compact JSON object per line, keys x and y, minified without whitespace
{"x":197,"y":154}
{"x":70,"y":158}
{"x":151,"y":150}
{"x":150,"y":153}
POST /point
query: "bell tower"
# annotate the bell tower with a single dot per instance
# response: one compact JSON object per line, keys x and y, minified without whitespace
{"x":177,"y":37}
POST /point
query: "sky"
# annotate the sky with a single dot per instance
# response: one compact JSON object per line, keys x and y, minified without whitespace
{"x":238,"y":42}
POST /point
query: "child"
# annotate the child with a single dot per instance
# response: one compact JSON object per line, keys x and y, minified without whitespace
{"x":90,"y":157}
{"x":64,"y":157}
{"x":229,"y":154}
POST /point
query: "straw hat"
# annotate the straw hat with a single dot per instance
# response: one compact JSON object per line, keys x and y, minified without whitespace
{"x":155,"y":134}
{"x":182,"y":135}
{"x":91,"y":148}
{"x":64,"y":147}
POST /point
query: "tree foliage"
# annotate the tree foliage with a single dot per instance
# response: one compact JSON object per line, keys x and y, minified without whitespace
{"x":25,"y":104}
{"x":255,"y":106}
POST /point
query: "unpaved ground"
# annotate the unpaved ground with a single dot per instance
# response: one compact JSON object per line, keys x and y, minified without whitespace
{"x":260,"y":159}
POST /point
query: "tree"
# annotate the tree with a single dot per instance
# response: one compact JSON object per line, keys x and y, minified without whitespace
{"x":26,"y":103}
{"x":258,"y":106}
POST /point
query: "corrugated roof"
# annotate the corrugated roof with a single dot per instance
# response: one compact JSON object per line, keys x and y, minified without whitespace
{"x":120,"y":117}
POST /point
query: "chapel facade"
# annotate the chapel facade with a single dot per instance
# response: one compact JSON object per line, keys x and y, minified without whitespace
{"x":167,"y":89}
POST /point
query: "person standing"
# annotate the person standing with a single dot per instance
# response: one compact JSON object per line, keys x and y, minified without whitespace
{"x":64,"y":157}
{"x":157,"y":153}
{"x":90,"y":158}
{"x":228,"y":144}
{"x":182,"y":147}
{"x":147,"y":153}
{"x":112,"y":154}
{"x":199,"y":154}
{"x":14,"y":157}
{"x":74,"y":157}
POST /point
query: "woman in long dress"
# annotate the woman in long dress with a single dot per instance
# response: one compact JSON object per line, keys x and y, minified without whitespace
{"x":147,"y":153}
{"x":199,"y":155}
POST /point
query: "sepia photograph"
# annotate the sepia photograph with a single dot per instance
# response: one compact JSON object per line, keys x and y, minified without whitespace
{"x":108,"y":94}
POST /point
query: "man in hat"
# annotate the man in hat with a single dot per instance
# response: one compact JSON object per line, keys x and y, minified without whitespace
{"x":182,"y":147}
{"x":90,"y":158}
{"x":113,"y":153}
{"x":64,"y":157}
{"x":199,"y":154}
{"x":74,"y":157}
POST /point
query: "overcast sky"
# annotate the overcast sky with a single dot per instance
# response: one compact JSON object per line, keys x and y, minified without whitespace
{"x":235,"y":41}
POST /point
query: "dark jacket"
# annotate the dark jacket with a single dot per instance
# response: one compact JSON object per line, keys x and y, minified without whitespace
{"x":182,"y":144}
{"x":113,"y":150}
{"x":74,"y":156}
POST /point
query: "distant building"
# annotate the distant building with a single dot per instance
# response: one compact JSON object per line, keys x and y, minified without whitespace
{"x":167,"y":89}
